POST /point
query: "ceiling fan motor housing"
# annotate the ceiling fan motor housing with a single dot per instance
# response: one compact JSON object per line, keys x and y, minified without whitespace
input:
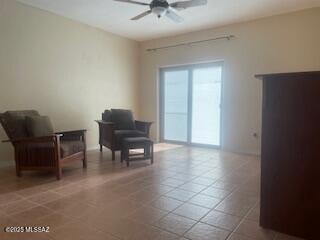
{"x":159,"y":7}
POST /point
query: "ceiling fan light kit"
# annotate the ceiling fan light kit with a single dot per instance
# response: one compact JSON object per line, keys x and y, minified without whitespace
{"x":162,"y":8}
{"x":159,"y":11}
{"x":159,"y":8}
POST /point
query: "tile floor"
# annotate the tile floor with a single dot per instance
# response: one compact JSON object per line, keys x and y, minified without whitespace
{"x":189,"y":193}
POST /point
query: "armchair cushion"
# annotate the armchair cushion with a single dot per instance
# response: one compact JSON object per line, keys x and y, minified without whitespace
{"x":68,"y":148}
{"x":107,"y":116}
{"x":121,"y":134}
{"x":14,"y":123}
{"x":123,"y":119}
{"x":38,"y":126}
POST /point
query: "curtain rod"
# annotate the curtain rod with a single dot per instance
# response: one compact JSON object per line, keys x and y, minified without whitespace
{"x":228,"y":37}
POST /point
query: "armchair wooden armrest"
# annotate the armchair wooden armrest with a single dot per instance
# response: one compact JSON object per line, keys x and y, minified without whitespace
{"x":78,"y":132}
{"x":74,"y":135}
{"x":110,"y":126}
{"x":34,"y":139}
{"x":143,"y":126}
{"x":105,"y":123}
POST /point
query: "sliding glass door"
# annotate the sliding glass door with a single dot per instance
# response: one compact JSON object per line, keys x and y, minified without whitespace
{"x":206,"y":114}
{"x":190,"y":104}
{"x":176,"y":105}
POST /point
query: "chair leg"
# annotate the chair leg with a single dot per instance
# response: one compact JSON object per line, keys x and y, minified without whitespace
{"x":100,"y":147}
{"x":58,"y":173}
{"x":127,"y":157}
{"x":85,"y":160}
{"x":113,"y":155}
{"x":151,"y":153}
{"x":147,"y":151}
{"x":18,"y":172}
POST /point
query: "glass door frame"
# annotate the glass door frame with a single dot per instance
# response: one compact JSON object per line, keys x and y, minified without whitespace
{"x":189,"y":68}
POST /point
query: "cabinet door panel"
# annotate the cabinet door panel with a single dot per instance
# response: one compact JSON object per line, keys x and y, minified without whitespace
{"x":290,"y":154}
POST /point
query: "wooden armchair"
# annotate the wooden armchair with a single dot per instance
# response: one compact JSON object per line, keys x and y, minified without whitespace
{"x":48,"y":153}
{"x":117,"y":124}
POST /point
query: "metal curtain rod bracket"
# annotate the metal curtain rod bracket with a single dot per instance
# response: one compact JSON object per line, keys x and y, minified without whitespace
{"x":229,"y":37}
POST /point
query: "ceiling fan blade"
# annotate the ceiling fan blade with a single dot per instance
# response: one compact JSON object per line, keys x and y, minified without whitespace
{"x":187,"y":4}
{"x":133,"y":2}
{"x":141,"y":15}
{"x":171,"y":13}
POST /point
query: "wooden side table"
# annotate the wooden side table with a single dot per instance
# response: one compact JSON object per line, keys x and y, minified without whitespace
{"x":136,"y":143}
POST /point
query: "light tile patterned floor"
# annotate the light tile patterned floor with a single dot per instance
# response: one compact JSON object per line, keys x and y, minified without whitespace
{"x":189,"y":193}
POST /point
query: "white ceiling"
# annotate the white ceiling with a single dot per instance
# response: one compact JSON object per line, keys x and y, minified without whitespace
{"x":114,"y":16}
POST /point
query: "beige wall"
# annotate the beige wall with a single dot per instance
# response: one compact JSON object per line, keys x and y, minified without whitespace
{"x":278,"y":44}
{"x":66,"y":70}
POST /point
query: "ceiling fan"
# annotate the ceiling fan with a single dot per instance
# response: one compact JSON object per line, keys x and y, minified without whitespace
{"x":163,"y":8}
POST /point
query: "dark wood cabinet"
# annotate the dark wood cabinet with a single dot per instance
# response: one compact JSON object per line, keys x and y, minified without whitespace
{"x":290,"y":154}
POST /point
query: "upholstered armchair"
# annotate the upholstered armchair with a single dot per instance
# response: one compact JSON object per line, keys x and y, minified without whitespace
{"x":117,"y":124}
{"x":37,"y":147}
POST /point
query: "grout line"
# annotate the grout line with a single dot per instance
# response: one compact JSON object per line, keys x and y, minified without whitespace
{"x":149,"y":172}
